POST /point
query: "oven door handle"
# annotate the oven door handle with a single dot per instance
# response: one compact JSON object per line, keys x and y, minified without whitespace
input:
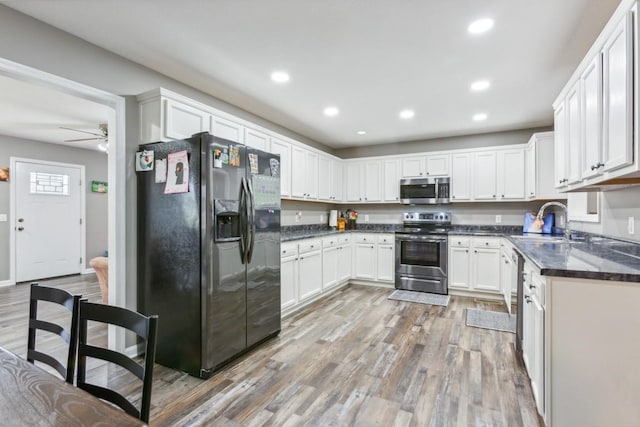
{"x":426,"y":239}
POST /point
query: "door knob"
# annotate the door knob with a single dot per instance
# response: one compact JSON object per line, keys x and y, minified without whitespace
{"x":20,"y":228}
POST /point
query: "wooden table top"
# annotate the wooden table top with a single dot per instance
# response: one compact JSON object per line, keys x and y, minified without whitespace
{"x":30,"y":396}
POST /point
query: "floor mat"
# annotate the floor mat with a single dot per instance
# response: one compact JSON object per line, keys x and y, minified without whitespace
{"x":420,"y":297}
{"x":491,"y":320}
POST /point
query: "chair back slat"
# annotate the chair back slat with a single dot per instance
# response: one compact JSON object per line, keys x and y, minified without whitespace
{"x":146,"y":329}
{"x":71,"y":303}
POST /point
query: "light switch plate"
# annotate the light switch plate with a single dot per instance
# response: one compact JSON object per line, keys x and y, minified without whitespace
{"x":631,"y":225}
{"x":498,"y":219}
{"x":366,"y":218}
{"x":3,"y":217}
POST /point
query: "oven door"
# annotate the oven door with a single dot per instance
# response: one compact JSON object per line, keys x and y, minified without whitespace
{"x":421,"y":262}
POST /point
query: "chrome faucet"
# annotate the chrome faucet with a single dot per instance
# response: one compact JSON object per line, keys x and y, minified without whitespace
{"x":567,"y":230}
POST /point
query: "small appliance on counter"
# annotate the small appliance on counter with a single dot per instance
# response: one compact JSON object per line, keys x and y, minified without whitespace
{"x":333,"y":218}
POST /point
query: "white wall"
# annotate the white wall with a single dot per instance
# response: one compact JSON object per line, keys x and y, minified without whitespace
{"x":616,"y":207}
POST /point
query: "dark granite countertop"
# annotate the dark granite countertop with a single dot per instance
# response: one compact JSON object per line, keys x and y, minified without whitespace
{"x":596,"y":257}
{"x":297,"y":232}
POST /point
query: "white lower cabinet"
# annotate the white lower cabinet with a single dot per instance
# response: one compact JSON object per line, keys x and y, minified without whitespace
{"x":288,"y":275}
{"x":329,"y":262}
{"x":309,"y":269}
{"x":386,"y":259}
{"x":474,"y":263}
{"x":365,"y":256}
{"x":506,"y":272}
{"x":345,"y":252}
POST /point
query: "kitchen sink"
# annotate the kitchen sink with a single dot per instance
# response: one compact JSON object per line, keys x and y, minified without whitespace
{"x":541,"y":238}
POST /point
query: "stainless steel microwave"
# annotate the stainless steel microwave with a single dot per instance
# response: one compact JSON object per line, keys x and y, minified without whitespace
{"x":424,"y":191}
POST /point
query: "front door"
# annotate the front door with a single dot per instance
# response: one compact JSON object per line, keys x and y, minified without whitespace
{"x":48,"y":220}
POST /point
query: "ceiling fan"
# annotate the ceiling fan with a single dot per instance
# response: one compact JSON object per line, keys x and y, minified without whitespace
{"x":103,"y":135}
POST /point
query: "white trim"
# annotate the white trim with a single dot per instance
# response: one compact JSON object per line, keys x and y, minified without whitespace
{"x":87,"y":271}
{"x":134,"y":350}
{"x":12,"y":209}
{"x":4,"y":283}
{"x":116,"y":172}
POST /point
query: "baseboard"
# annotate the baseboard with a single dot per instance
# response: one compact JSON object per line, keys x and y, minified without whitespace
{"x":372,"y":283}
{"x":286,"y":312}
{"x":134,"y":350}
{"x":89,"y":270}
{"x":477,"y":294}
{"x":4,"y":283}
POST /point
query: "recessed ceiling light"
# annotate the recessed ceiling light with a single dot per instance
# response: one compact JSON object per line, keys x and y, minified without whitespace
{"x":331,"y":111}
{"x":407,"y":114}
{"x":280,"y":76}
{"x":480,"y":26}
{"x":362,"y":132}
{"x":479,"y":117}
{"x":480,"y":85}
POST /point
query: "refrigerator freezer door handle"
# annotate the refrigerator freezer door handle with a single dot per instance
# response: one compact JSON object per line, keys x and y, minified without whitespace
{"x":251,"y":225}
{"x":243,"y":221}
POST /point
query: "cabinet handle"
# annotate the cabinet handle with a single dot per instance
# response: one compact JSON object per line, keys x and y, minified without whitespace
{"x":528,"y":299}
{"x":531,"y":193}
{"x":474,"y":251}
{"x":486,"y":243}
{"x":371,"y":247}
{"x":594,"y":167}
{"x":467,"y":251}
{"x":494,"y":196}
{"x":532,"y":286}
{"x":453,"y":197}
{"x":427,"y":173}
{"x":503,"y":196}
{"x":284,"y":252}
{"x":599,"y":165}
{"x":420,"y":173}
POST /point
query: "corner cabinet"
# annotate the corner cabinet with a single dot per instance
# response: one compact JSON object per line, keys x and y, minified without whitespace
{"x":596,"y":129}
{"x":474,"y":264}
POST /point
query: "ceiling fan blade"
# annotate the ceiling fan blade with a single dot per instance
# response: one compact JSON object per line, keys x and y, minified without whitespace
{"x":83,"y":131}
{"x":83,"y":139}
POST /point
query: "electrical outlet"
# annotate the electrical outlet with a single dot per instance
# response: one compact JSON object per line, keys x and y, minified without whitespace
{"x":3,"y":217}
{"x":631,"y":225}
{"x":498,"y":219}
{"x":298,"y":216}
{"x":321,"y":218}
{"x":366,"y":218}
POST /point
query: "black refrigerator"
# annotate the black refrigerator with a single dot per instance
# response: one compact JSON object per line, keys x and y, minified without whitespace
{"x":208,"y":249}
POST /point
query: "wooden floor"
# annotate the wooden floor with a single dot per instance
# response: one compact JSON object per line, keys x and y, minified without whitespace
{"x":352,"y":359}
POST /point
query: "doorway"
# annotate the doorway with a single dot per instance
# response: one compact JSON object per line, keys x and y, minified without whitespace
{"x":116,"y":171}
{"x":49,"y":218}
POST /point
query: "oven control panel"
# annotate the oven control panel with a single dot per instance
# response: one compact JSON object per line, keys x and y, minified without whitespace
{"x":427,"y":217}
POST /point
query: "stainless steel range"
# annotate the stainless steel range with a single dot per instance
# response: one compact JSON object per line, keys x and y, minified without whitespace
{"x":421,"y":252}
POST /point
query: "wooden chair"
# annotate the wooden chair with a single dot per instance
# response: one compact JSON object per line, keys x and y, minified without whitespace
{"x":70,"y":302}
{"x":145,"y":327}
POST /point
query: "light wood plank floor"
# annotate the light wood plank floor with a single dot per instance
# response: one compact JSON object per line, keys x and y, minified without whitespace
{"x":352,"y":359}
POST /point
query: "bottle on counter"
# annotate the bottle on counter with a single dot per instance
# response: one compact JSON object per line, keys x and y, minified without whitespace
{"x":341,"y":222}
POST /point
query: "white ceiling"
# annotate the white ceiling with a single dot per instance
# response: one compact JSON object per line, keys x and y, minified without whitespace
{"x":369,"y":58}
{"x":36,"y":113}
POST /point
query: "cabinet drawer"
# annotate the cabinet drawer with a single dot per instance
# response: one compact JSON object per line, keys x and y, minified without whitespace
{"x":309,"y":245}
{"x":364,"y":238}
{"x":459,"y":241}
{"x":345,"y":239}
{"x":288,"y":249}
{"x":329,"y":242}
{"x":486,"y":242}
{"x":386,"y":238}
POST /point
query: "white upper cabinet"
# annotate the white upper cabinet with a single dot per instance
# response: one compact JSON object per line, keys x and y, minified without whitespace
{"x":283,"y":148}
{"x":485,"y":175}
{"x":413,"y":167}
{"x":371,"y":181}
{"x":591,"y":80}
{"x":461,"y":164}
{"x":560,"y":146}
{"x":539,"y":155}
{"x":324,"y":183}
{"x":425,"y":166}
{"x":617,"y":74}
{"x":530,"y":171}
{"x":574,"y":134}
{"x":353,"y":182}
{"x":256,"y":139}
{"x":182,"y":121}
{"x":337,"y":175}
{"x":227,"y":129}
{"x":304,"y":173}
{"x":511,"y":175}
{"x":391,"y":180}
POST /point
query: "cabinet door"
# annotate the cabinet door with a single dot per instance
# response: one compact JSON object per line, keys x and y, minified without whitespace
{"x":329,"y":267}
{"x":461,"y":176}
{"x":311,"y":164}
{"x":386,"y":263}
{"x":325,"y":184}
{"x":591,"y":122}
{"x":182,"y":121}
{"x":284,"y":150}
{"x":530,"y":171}
{"x":511,"y":174}
{"x":574,"y":141}
{"x":310,"y":275}
{"x":337,"y":181}
{"x":372,"y":176}
{"x":413,"y":167}
{"x":618,"y":96}
{"x":485,"y":174}
{"x":459,"y":268}
{"x":438,"y":165}
{"x":288,"y":276}
{"x":223,"y":128}
{"x":298,"y":172}
{"x":365,"y":261}
{"x":391,"y":185}
{"x":256,"y":139}
{"x":353,"y":182}
{"x":344,"y":262}
{"x":505,"y":279}
{"x":560,"y":146}
{"x":486,"y":269}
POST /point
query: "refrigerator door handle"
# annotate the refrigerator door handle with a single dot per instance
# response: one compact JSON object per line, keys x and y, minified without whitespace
{"x":243,"y":221}
{"x":252,"y":222}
